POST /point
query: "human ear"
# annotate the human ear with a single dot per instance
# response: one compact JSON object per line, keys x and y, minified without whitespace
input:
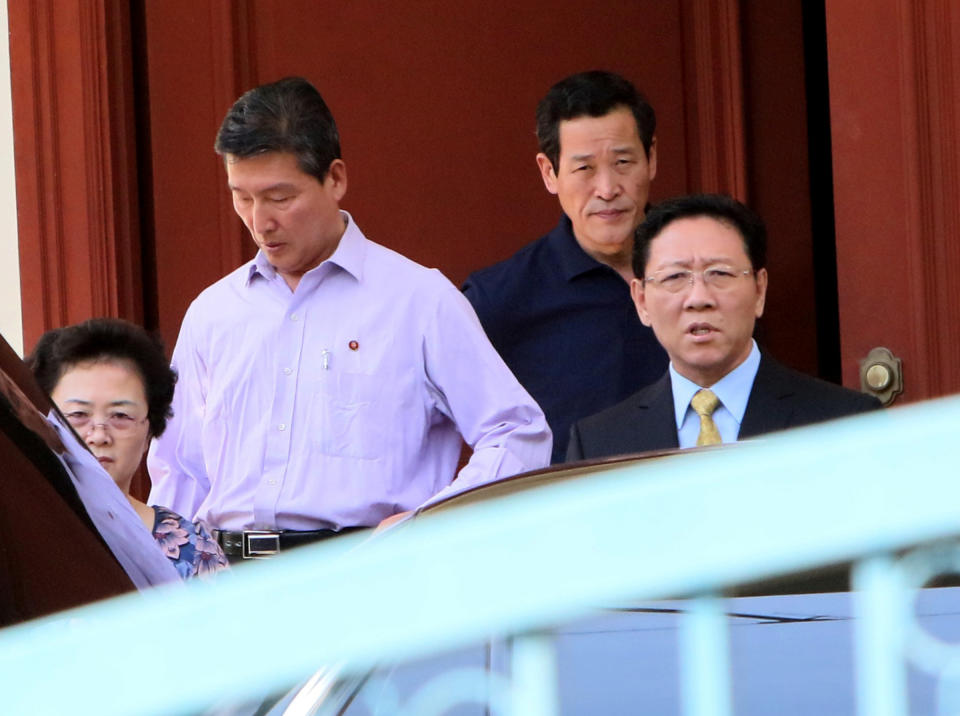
{"x":337,"y":178}
{"x":547,"y":172}
{"x":652,"y":159}
{"x":761,"y":292}
{"x":638,"y":294}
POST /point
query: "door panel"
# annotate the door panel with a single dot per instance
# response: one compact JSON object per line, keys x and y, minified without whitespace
{"x":895,"y":110}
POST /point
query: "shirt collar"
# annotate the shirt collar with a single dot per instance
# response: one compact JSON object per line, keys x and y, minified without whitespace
{"x":733,"y":389}
{"x":572,"y":259}
{"x":350,"y":251}
{"x":347,"y":256}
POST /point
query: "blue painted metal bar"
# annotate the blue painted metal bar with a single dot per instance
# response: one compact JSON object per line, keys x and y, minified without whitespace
{"x":683,"y":525}
{"x":705,"y":658}
{"x":880,"y":654}
{"x":455,"y":688}
{"x":926,"y":650}
{"x":948,"y":691}
{"x":937,"y":656}
{"x":534,"y":676}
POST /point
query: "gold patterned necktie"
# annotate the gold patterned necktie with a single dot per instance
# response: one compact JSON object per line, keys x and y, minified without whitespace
{"x":704,"y":403}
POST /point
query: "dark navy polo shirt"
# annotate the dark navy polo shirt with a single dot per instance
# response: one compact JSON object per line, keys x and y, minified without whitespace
{"x":566,"y":326}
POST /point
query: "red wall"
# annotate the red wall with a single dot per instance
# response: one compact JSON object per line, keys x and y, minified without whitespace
{"x":435,"y":105}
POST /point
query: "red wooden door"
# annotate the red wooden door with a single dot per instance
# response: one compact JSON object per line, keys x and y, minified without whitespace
{"x":895,"y":107}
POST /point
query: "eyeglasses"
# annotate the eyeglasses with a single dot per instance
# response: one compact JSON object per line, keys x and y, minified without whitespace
{"x":718,"y":276}
{"x":119,"y":423}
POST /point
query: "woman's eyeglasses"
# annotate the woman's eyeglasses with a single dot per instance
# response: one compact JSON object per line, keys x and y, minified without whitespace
{"x":118,"y":423}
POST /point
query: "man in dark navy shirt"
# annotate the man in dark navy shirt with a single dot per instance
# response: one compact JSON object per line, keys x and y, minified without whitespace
{"x":559,"y":311}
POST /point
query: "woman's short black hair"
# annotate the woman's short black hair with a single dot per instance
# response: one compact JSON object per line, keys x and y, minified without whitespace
{"x":108,"y":339}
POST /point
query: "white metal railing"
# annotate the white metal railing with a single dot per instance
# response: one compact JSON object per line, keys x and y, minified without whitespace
{"x":857,"y":490}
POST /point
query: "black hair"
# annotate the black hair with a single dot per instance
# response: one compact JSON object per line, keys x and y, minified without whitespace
{"x":284,"y":116}
{"x":717,"y":206}
{"x":590,"y":94}
{"x":104,"y":340}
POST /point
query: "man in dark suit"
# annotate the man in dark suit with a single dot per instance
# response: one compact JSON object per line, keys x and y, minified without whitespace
{"x":700,"y":284}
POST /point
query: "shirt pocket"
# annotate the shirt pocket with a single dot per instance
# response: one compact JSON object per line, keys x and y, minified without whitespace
{"x":345,"y":416}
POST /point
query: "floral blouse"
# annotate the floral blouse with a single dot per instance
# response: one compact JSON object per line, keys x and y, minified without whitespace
{"x":189,"y":545}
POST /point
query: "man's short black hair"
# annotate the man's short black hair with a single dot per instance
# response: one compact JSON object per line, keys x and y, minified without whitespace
{"x":717,"y":206}
{"x":590,"y":94}
{"x":284,"y":116}
{"x":105,"y":340}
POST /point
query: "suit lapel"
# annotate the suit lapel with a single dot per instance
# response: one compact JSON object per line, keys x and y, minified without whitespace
{"x":770,"y":406}
{"x":656,"y":423}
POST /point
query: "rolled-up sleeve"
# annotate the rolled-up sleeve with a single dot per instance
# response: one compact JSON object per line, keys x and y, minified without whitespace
{"x":495,"y":415}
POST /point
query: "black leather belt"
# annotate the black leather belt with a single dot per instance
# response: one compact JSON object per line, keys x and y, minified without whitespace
{"x":260,"y":544}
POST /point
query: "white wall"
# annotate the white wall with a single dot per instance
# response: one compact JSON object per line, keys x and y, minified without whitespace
{"x":11,"y":324}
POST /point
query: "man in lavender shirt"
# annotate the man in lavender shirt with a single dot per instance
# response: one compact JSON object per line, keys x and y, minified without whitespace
{"x":325,"y":385}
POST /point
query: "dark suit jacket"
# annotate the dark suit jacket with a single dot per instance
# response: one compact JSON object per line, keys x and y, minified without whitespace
{"x":781,"y":398}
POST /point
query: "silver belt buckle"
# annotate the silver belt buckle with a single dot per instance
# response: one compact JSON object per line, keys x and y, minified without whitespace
{"x":260,"y":544}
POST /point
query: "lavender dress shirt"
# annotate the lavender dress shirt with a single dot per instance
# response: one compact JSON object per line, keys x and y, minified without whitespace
{"x":340,"y":403}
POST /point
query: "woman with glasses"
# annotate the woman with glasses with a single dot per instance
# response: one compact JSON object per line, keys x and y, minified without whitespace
{"x":114,"y":385}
